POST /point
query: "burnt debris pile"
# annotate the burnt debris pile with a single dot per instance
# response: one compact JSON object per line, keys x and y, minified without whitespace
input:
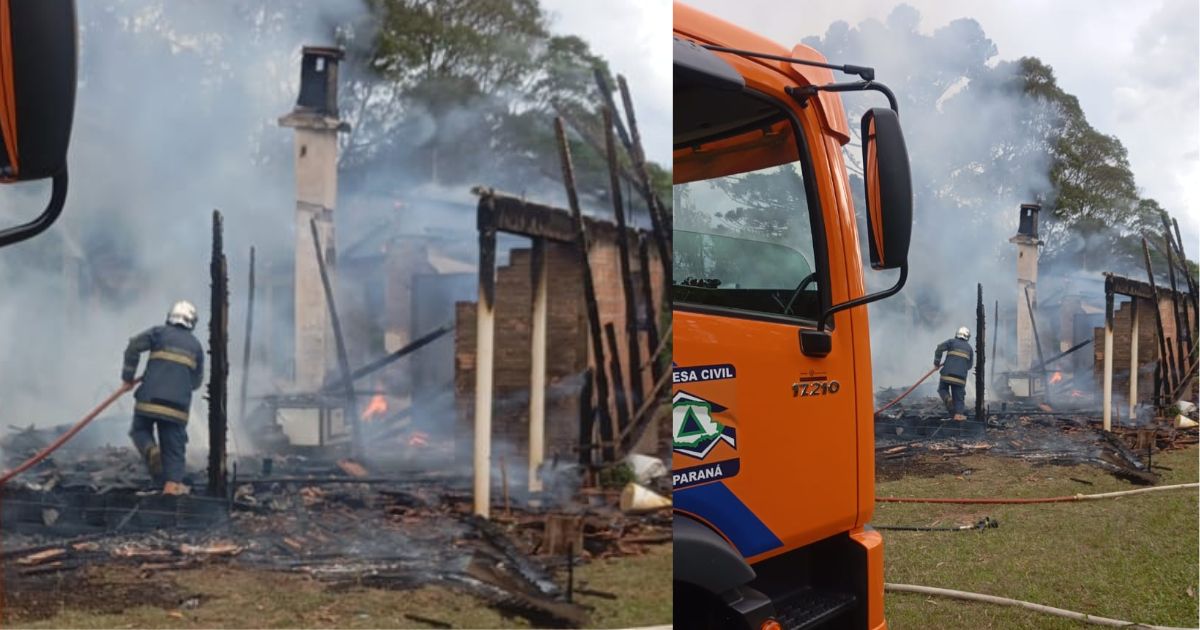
{"x":335,"y":521}
{"x":1034,"y":431}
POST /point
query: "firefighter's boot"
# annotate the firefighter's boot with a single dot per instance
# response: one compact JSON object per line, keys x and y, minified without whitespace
{"x":175,"y":488}
{"x":153,"y":456}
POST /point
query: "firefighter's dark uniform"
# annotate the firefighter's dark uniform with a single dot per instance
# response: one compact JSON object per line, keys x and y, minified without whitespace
{"x":953,"y":386}
{"x":175,"y":368}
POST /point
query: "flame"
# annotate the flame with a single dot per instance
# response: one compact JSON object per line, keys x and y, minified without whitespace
{"x":418,"y":438}
{"x":1075,"y":393}
{"x":1056,"y":377}
{"x":377,"y":407}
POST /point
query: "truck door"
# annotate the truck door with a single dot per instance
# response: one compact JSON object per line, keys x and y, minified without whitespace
{"x":764,"y":436}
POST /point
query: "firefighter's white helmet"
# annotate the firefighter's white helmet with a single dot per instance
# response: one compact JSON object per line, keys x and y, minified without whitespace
{"x":183,"y":313}
{"x":963,"y":333}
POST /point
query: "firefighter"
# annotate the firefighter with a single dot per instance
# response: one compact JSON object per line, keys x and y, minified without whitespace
{"x":174,"y":369}
{"x":959,"y":359}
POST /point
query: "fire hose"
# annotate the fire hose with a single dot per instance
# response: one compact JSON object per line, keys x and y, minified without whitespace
{"x":53,"y":446}
{"x":986,"y":522}
{"x":1062,"y":499}
{"x":909,"y":390}
{"x":992,"y":599}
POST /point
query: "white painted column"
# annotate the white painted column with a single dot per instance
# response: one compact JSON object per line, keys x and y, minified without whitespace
{"x":485,"y":325}
{"x":1133,"y":360}
{"x":537,"y":377}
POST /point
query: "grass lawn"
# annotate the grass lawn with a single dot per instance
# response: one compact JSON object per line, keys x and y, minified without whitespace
{"x":1134,"y":558}
{"x":231,"y":597}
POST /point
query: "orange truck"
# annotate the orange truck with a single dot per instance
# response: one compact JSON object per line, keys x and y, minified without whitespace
{"x":773,"y":436}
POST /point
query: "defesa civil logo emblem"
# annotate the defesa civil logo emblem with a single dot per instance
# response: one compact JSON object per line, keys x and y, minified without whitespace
{"x":695,"y":432}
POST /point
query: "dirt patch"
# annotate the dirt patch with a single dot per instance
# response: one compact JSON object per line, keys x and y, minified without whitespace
{"x":916,"y":466}
{"x":92,"y":590}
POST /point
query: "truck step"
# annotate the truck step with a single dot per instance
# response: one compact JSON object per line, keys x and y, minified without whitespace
{"x":810,"y":608}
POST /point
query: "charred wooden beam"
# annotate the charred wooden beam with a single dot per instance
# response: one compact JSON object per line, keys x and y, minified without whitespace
{"x":1193,"y":289}
{"x":651,"y":313}
{"x":618,"y":379}
{"x":995,"y":327}
{"x":607,"y":93}
{"x":246,"y":343}
{"x":1064,"y":353}
{"x":587,"y":419}
{"x":589,"y":289}
{"x":388,"y":359}
{"x":340,"y":343}
{"x":218,"y":350}
{"x":1164,"y":366}
{"x":659,"y":218}
{"x":641,"y":418}
{"x":1133,"y":288}
{"x":980,"y":353}
{"x":1037,"y":341}
{"x":625,"y":265}
{"x":1181,"y":334}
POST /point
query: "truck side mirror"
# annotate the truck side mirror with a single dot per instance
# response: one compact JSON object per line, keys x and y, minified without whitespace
{"x":38,"y":51}
{"x":889,"y":188}
{"x":889,"y":215}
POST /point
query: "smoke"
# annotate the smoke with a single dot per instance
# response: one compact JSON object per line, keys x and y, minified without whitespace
{"x":176,"y":115}
{"x":977,"y":152}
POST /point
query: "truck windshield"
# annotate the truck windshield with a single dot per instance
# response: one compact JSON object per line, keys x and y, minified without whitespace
{"x":745,"y":242}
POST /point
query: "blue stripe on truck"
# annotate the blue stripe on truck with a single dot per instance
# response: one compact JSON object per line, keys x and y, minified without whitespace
{"x":716,"y":503}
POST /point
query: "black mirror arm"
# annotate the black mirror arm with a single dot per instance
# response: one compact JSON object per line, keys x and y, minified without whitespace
{"x":866,"y":299}
{"x":804,"y":92}
{"x":58,"y":198}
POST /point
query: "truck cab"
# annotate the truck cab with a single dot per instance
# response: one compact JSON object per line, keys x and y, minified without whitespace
{"x":772,"y":408}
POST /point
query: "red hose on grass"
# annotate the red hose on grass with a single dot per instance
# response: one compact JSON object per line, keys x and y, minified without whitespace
{"x":1062,"y":499}
{"x":908,"y":391}
{"x":53,"y":446}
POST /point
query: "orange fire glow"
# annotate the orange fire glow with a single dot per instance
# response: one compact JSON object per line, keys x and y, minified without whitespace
{"x":1075,"y":393}
{"x":418,"y":438}
{"x":1056,"y":377}
{"x":377,"y":407}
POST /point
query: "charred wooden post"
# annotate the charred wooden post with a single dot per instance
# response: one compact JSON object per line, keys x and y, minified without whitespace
{"x":1180,"y":333}
{"x":587,"y":419}
{"x":995,"y":327}
{"x":1185,"y":334}
{"x":218,"y":351}
{"x":356,"y":443}
{"x":625,"y":265}
{"x":1193,"y":289}
{"x":589,"y":291}
{"x":485,"y":325}
{"x":1108,"y":350}
{"x":1037,"y":342}
{"x":1133,"y":359}
{"x":386,"y":360}
{"x":659,"y":220}
{"x":607,"y":93}
{"x":648,"y":303}
{"x":537,"y":378}
{"x":618,"y":379}
{"x":1163,"y":364}
{"x":246,"y":344}
{"x":980,"y":354}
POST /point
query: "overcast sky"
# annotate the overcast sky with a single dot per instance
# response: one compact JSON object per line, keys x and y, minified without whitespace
{"x":1133,"y":66}
{"x":634,"y":36}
